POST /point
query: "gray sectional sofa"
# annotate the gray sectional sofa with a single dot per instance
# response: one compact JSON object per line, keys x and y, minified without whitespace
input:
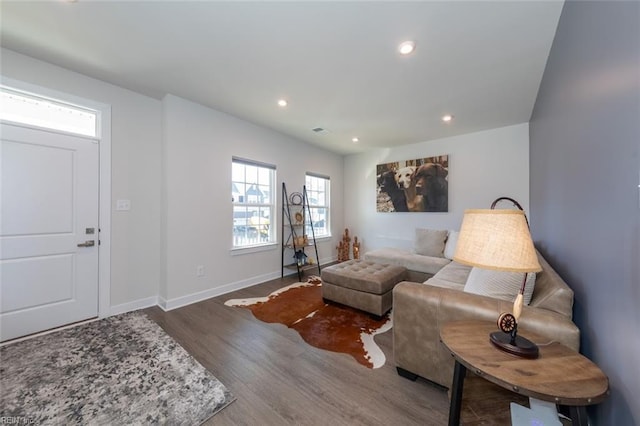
{"x":433,"y":250}
{"x":420,"y":308}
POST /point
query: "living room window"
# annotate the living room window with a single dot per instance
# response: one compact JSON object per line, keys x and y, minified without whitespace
{"x":253,"y":197}
{"x":318,"y":194}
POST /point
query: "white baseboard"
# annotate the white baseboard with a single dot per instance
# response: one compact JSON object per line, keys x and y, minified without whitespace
{"x":168,"y":305}
{"x":133,"y":306}
{"x":178,"y":302}
{"x":328,"y":260}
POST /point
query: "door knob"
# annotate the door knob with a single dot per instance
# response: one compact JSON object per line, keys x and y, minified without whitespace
{"x":88,"y":243}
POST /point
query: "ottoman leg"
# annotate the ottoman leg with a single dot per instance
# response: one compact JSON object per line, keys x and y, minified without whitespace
{"x":377,"y":317}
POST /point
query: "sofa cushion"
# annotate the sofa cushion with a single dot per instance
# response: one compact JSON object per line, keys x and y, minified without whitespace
{"x":499,"y":284}
{"x":453,"y":276}
{"x":430,"y":242}
{"x":426,"y":264}
{"x":450,"y":245}
{"x":413,"y":262}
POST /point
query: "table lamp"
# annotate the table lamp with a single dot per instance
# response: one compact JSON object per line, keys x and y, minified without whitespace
{"x":499,"y":239}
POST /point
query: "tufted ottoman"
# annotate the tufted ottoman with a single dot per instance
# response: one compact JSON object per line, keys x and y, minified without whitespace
{"x":362,"y":284}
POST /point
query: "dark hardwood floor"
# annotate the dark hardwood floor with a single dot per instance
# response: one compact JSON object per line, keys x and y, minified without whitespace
{"x":278,"y":379}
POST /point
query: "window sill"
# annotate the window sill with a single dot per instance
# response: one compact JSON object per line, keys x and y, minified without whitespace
{"x":236,"y":251}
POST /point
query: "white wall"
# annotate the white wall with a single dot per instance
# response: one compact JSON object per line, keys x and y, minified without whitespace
{"x":482,"y":167}
{"x":199,"y":144}
{"x":135,"y":173}
{"x":172,"y":159}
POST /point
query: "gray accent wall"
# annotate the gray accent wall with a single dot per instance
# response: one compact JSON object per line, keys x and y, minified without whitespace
{"x":584,"y":187}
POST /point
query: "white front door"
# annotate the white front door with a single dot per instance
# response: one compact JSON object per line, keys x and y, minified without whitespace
{"x":48,"y":230}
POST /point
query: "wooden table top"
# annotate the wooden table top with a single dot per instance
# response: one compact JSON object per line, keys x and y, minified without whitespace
{"x":559,"y":375}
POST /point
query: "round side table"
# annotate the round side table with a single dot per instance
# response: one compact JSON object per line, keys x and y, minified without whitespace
{"x":560,"y":374}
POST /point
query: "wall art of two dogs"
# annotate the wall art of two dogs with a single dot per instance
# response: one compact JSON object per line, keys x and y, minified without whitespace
{"x":419,"y":185}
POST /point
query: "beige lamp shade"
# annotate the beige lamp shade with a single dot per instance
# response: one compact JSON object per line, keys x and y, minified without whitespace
{"x":496,"y":239}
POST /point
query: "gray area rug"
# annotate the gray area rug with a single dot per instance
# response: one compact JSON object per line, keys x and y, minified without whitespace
{"x":120,"y":370}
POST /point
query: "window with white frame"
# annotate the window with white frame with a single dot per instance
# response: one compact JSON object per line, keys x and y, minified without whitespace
{"x":318,"y":195}
{"x":253,"y":196}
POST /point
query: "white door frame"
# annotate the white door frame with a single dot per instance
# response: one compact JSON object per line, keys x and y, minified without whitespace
{"x":104,"y":214}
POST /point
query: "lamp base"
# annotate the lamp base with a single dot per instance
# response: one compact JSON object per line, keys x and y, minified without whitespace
{"x":522,"y":347}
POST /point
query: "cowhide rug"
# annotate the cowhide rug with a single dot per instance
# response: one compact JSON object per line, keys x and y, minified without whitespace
{"x":335,"y":328}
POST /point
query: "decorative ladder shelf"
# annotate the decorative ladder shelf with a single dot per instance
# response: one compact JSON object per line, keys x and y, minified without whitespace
{"x":296,"y":217}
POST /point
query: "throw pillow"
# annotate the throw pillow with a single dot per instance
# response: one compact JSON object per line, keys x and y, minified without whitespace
{"x":450,"y":245}
{"x":499,"y":284}
{"x":430,"y":242}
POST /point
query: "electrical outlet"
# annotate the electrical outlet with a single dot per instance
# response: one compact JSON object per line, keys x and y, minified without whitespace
{"x":200,"y":270}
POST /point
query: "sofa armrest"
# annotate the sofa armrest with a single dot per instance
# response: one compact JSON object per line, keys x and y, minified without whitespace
{"x":419,"y":311}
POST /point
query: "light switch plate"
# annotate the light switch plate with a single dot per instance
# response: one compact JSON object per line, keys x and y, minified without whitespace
{"x":123,"y":205}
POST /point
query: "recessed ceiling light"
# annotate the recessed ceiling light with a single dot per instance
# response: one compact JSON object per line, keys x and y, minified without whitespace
{"x":282,"y":102}
{"x":406,"y":47}
{"x":355,"y":140}
{"x":447,"y":118}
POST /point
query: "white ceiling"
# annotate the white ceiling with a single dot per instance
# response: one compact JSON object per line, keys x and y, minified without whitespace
{"x":335,"y":62}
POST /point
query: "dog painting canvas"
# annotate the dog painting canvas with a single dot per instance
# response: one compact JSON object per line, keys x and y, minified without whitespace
{"x":419,"y":185}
